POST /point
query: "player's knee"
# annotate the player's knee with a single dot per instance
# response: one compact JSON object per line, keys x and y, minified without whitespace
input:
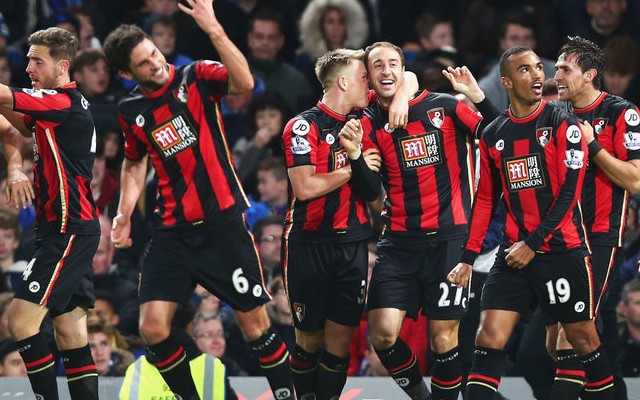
{"x":491,"y":338}
{"x":153,"y":331}
{"x":441,"y":342}
{"x":583,"y":340}
{"x":382,"y":338}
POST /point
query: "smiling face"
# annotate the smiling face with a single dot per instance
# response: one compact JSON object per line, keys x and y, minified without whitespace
{"x":386,"y":72}
{"x":570,"y":79}
{"x":148,"y":66}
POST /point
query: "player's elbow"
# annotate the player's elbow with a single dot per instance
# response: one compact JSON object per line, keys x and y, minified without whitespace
{"x":303,"y":194}
{"x":633,"y":187}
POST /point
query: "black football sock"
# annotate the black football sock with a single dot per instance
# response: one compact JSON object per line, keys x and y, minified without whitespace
{"x":332,"y":375}
{"x":171,"y":361}
{"x":402,"y":364}
{"x":484,"y":377}
{"x":569,"y":379}
{"x":446,"y":378}
{"x":274,"y":360}
{"x":82,"y":377}
{"x":599,"y":377}
{"x":40,"y":365}
{"x":304,"y":367}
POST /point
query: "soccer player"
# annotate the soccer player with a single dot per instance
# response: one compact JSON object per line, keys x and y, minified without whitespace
{"x":427,"y":172}
{"x":613,"y":171}
{"x":535,"y":156}
{"x":58,"y":279}
{"x":327,"y":226}
{"x":173,"y":117}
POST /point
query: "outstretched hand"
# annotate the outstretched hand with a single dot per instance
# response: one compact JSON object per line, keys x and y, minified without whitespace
{"x":463,"y":81}
{"x":202,"y":12}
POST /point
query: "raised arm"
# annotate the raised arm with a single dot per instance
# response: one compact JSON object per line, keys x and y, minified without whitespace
{"x":240,"y":78}
{"x":19,"y":189}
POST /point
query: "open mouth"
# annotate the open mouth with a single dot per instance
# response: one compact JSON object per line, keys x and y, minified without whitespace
{"x":537,"y":88}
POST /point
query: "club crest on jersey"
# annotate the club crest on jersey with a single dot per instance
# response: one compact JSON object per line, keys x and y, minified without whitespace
{"x":299,"y":310}
{"x":544,"y":135}
{"x":421,"y":151}
{"x":436,"y":116}
{"x":575,"y":159}
{"x":632,"y":140}
{"x":599,"y":124}
{"x":339,"y":158}
{"x":174,"y":136}
{"x":181,"y":94}
{"x":524,"y":172}
{"x":300,"y":145}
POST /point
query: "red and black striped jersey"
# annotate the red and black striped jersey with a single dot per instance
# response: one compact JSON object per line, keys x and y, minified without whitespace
{"x":427,"y":169}
{"x":64,"y":148}
{"x":604,"y":204}
{"x":537,"y":163}
{"x":311,"y":138}
{"x":180,"y":127}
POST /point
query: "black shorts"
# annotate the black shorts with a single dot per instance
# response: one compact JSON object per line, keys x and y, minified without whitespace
{"x":562,"y":284}
{"x":60,"y":275}
{"x":222,"y":259}
{"x":603,"y":260}
{"x":410,"y":278}
{"x":326,"y":281}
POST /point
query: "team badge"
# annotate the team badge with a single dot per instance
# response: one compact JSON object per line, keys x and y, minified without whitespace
{"x":299,"y":310}
{"x":436,"y":116}
{"x":181,"y":94}
{"x":575,"y":159}
{"x":631,"y":117}
{"x":544,"y":135}
{"x":301,"y":127}
{"x":632,"y":140}
{"x":524,"y":172}
{"x":599,"y":124}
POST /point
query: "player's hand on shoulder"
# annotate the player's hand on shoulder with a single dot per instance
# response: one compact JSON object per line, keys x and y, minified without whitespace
{"x":460,"y":275}
{"x":587,"y":131}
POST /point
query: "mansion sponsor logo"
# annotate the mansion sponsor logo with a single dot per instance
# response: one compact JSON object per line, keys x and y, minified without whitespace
{"x":421,"y":151}
{"x":524,"y":172}
{"x":174,"y":136}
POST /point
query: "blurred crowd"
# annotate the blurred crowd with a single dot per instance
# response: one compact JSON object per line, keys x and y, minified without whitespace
{"x":282,"y":40}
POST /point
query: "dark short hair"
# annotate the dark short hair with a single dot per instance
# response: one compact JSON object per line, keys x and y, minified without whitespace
{"x":258,"y":227}
{"x":521,"y":19}
{"x":588,"y":56}
{"x":267,"y":14}
{"x":62,"y":45}
{"x":9,"y":221}
{"x":504,"y":58}
{"x":275,"y":164}
{"x":268,"y":100}
{"x":119,"y":44}
{"x":88,"y":57}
